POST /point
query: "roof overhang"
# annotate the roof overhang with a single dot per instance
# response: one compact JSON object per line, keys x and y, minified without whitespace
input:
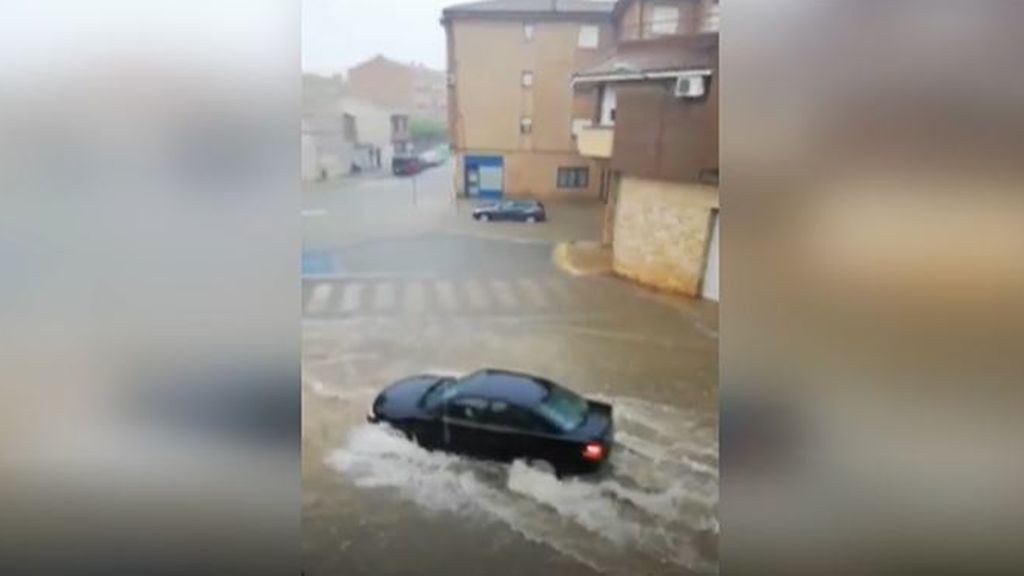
{"x":639,"y":76}
{"x":525,"y":16}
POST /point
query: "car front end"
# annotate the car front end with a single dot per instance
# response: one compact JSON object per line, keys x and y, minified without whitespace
{"x":401,"y":400}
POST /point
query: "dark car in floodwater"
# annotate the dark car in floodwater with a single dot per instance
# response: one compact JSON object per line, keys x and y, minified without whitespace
{"x":521,"y":210}
{"x":500,"y":415}
{"x":407,"y":165}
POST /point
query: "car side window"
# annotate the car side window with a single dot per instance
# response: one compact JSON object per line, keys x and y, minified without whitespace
{"x":472,"y":409}
{"x":512,"y":416}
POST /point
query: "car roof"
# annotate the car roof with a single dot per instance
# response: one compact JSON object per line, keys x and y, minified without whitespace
{"x":506,"y":386}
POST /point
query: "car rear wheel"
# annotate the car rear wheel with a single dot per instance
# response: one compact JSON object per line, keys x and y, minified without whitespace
{"x":531,"y":219}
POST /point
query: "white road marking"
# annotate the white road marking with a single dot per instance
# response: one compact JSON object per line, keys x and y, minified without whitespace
{"x":319,"y":297}
{"x":503,"y":292}
{"x":351,"y":297}
{"x":446,"y":294}
{"x":312,"y":212}
{"x":384,"y":296}
{"x":533,"y":292}
{"x":477,"y":295}
{"x":561,"y":291}
{"x":415,"y":297}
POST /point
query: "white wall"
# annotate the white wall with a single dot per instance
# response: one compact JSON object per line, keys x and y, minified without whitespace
{"x":373,"y":124}
{"x":608,"y":102}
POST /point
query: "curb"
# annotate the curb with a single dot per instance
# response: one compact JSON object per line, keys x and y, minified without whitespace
{"x":560,"y":258}
{"x":562,"y":261}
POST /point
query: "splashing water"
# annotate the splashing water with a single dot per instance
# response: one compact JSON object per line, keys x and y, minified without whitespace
{"x":647,"y":512}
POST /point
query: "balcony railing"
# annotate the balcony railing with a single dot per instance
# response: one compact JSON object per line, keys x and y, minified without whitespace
{"x":596,"y":141}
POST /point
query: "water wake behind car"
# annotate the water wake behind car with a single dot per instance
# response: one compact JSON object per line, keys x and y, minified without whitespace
{"x":652,"y":510}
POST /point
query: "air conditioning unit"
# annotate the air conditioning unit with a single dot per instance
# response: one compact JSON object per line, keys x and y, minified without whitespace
{"x":689,"y":87}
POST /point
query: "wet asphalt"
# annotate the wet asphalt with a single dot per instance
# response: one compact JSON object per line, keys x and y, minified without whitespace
{"x":400,"y":281}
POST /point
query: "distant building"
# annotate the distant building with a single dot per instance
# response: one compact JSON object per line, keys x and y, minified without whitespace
{"x":328,"y":146}
{"x":341,"y":134}
{"x":512,"y":111}
{"x":414,"y":89}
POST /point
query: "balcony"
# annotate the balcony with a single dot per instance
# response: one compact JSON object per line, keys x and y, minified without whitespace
{"x":595,"y":141}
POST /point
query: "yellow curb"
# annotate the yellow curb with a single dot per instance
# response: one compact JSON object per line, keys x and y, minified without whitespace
{"x":560,"y":257}
{"x":562,"y":260}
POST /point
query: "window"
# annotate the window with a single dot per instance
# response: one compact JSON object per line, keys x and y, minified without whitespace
{"x":468,"y":409}
{"x":608,"y":103}
{"x":711,"y":16}
{"x":443,"y":391}
{"x":664,"y":19}
{"x":525,"y":125}
{"x":512,"y":416}
{"x":528,"y":32}
{"x":349,"y":128}
{"x":573,"y":177}
{"x":589,"y":36}
{"x":563,"y":408}
{"x":527,"y":79}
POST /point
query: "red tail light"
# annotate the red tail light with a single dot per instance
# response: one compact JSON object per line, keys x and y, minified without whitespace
{"x":593,"y":451}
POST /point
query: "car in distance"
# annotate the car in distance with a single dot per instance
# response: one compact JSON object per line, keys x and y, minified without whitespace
{"x":521,"y":210}
{"x":433,"y":157}
{"x":500,"y":415}
{"x":406,"y":165}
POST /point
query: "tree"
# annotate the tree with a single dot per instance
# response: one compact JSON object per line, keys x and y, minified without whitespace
{"x":423,"y":130}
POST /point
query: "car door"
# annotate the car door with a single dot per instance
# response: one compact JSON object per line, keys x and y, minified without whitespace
{"x":515,"y":432}
{"x":461,"y":421}
{"x":510,"y":211}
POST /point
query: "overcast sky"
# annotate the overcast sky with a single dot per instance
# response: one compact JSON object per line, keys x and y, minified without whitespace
{"x":336,"y":34}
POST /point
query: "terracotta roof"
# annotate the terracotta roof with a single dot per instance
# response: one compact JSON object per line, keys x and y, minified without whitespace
{"x":669,"y":53}
{"x":530,"y":7}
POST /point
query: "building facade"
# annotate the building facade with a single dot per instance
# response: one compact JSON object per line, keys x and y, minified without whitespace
{"x":341,"y":134}
{"x":413,"y":89}
{"x":654,"y":129}
{"x":512,"y":115}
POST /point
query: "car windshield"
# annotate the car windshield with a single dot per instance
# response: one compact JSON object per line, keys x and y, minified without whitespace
{"x":443,"y":391}
{"x":563,"y":408}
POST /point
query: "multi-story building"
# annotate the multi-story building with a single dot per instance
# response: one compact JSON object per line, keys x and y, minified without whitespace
{"x":649,"y":19}
{"x":615,"y":100}
{"x":654,"y":131}
{"x":511,"y":109}
{"x":413,"y":89}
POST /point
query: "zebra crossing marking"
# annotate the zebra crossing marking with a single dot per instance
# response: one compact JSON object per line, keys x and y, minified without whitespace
{"x":503,"y":293}
{"x":477,"y":295}
{"x":424,"y":295}
{"x":559,"y":289}
{"x":533,"y":292}
{"x":415,"y":296}
{"x":319,"y":297}
{"x":446,"y":294}
{"x":351,"y":297}
{"x":384,"y":296}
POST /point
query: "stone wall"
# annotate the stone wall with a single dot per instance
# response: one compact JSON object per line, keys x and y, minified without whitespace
{"x":661,"y":233}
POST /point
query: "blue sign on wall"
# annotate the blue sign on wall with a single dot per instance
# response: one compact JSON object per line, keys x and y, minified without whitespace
{"x":485,"y":176}
{"x":315,"y":263}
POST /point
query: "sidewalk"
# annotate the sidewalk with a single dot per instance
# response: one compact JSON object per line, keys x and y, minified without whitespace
{"x":583,"y":258}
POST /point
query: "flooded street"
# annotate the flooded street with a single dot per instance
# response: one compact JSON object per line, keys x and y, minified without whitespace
{"x":404,"y":289}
